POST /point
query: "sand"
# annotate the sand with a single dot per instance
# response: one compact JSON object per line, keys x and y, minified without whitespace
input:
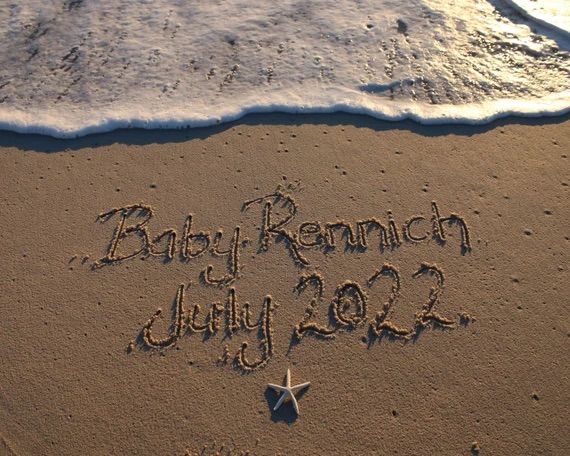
{"x":443,"y":334}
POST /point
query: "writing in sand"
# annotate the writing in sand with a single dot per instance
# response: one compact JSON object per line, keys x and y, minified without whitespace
{"x":279,"y":229}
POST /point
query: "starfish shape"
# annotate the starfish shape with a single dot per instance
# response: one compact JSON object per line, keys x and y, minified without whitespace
{"x":288,"y":392}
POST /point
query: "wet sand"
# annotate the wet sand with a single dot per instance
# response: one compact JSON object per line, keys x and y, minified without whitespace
{"x":416,"y":276}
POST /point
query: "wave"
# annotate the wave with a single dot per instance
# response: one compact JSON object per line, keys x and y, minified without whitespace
{"x":554,"y":14}
{"x":471,"y":114}
{"x":77,"y":68}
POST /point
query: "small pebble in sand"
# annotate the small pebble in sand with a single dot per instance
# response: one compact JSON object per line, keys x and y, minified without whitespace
{"x":475,"y":448}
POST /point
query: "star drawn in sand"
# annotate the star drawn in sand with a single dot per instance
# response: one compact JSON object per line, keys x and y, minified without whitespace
{"x":288,"y":392}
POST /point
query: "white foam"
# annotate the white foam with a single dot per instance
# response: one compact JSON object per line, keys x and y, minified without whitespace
{"x":75,"y":68}
{"x":550,"y":13}
{"x":69,"y":126}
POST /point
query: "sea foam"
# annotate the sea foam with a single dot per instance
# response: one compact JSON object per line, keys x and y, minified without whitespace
{"x":554,"y":14}
{"x":74,"y":68}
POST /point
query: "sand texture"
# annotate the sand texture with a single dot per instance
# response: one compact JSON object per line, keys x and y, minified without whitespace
{"x":155,"y":282}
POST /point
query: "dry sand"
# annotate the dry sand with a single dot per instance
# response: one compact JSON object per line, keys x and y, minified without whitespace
{"x":480,"y":365}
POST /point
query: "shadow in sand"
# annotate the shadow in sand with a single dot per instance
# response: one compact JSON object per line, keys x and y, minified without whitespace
{"x":47,"y":144}
{"x":286,"y":413}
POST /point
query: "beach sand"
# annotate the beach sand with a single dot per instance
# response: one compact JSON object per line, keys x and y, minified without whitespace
{"x":472,"y":357}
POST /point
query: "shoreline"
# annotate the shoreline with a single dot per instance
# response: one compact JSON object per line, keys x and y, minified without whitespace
{"x":141,"y":136}
{"x":473,"y":114}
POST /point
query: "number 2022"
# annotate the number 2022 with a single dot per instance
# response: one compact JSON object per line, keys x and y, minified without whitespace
{"x":347,"y":293}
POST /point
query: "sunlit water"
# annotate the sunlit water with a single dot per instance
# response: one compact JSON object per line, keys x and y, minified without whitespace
{"x":76,"y":67}
{"x":552,"y":13}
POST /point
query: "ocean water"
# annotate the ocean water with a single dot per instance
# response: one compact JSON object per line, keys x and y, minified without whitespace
{"x":74,"y":67}
{"x":551,"y":13}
